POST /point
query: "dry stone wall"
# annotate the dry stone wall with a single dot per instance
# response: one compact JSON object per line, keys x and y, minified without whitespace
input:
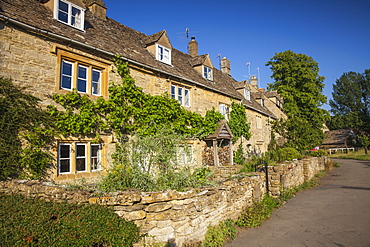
{"x":182,"y":217}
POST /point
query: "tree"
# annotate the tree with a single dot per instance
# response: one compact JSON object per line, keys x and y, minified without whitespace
{"x":351,"y":101}
{"x":298,"y":82}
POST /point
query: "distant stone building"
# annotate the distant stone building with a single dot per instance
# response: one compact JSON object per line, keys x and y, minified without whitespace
{"x":54,"y":46}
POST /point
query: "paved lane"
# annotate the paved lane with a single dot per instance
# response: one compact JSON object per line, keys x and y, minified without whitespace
{"x":336,"y":213}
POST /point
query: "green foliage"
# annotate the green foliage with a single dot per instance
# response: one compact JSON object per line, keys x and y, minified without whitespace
{"x":151,"y":163}
{"x":26,"y":129}
{"x":239,"y":156}
{"x":351,"y":101}
{"x":210,"y":122}
{"x":254,"y":215}
{"x":238,"y":122}
{"x":297,"y":81}
{"x":217,"y":236}
{"x":299,"y":133}
{"x":128,"y":110}
{"x":318,"y":153}
{"x":32,"y":222}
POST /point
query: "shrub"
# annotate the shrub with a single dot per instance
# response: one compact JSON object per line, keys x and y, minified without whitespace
{"x":31,"y":222}
{"x":287,"y":154}
{"x":150,"y":163}
{"x":218,"y":235}
{"x":254,"y":215}
{"x":318,"y":153}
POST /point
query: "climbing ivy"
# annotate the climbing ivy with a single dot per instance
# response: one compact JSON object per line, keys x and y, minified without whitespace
{"x":238,"y":122}
{"x":130,"y":110}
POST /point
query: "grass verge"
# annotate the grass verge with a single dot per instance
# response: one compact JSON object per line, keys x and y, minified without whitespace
{"x":358,"y":155}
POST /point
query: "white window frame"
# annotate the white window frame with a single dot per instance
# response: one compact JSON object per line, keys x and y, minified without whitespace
{"x":181,"y":94}
{"x":185,"y":154}
{"x":98,"y":83}
{"x":97,"y":157}
{"x":75,"y":77}
{"x":81,"y":157}
{"x":247,"y":94}
{"x":207,"y":73}
{"x":79,"y":20}
{"x":163,"y":54}
{"x":62,"y":159}
{"x":83,"y":79}
{"x":225,"y":111}
{"x":71,"y":77}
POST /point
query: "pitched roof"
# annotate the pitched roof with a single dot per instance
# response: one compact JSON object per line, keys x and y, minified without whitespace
{"x":113,"y":37}
{"x":223,"y":131}
{"x":337,"y":137}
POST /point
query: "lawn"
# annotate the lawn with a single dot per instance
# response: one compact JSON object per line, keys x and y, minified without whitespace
{"x":358,"y":155}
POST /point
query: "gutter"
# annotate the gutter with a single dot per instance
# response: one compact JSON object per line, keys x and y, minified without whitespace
{"x":50,"y":34}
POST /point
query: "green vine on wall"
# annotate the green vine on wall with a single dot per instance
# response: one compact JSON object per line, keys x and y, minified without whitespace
{"x":128,"y":110}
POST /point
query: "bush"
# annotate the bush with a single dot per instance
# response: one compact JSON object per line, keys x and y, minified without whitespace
{"x":31,"y":222}
{"x":218,"y":235}
{"x":318,"y":153}
{"x":254,"y":215}
{"x":287,"y":154}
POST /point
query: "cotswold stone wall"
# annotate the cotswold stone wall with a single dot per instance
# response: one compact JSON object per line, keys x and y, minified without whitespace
{"x":182,"y":217}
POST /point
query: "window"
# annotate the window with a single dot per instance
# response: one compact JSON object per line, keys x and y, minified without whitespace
{"x":69,"y":14}
{"x":225,"y":111}
{"x":207,"y":72}
{"x":262,"y":102}
{"x":81,"y":76}
{"x":181,"y":94}
{"x":75,"y":157}
{"x":64,"y":158}
{"x":80,"y":157}
{"x":247,"y":94}
{"x":163,"y":54}
{"x":95,"y":157}
{"x":185,"y":154}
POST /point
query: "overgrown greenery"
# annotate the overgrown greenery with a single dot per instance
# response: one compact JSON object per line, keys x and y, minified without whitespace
{"x":218,"y":235}
{"x":254,"y":215}
{"x":32,"y":222}
{"x":26,"y":129}
{"x":238,"y":122}
{"x":129,"y":110}
{"x":151,"y":163}
{"x":298,"y":82}
{"x":351,"y":101}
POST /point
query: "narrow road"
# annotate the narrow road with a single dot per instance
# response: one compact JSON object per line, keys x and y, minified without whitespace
{"x":336,"y":213}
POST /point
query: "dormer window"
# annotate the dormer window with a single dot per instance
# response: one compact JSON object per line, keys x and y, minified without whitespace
{"x":163,"y":54}
{"x":247,"y":94}
{"x":69,"y":14}
{"x":262,"y":102}
{"x":207,"y":73}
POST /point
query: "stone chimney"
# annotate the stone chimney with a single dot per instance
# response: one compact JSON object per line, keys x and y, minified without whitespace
{"x":193,"y":47}
{"x":225,"y":65}
{"x":253,"y":81}
{"x":97,"y":7}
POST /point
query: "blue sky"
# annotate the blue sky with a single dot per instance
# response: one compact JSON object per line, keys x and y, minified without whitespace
{"x":336,"y":34}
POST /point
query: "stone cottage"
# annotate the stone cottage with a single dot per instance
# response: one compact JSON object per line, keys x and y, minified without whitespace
{"x":54,"y":46}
